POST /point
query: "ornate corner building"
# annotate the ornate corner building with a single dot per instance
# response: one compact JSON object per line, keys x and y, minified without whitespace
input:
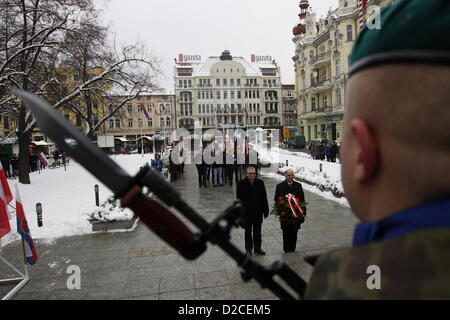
{"x":322,"y":57}
{"x":228,"y":91}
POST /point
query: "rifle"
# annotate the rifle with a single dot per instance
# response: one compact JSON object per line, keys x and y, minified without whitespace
{"x":157,"y":217}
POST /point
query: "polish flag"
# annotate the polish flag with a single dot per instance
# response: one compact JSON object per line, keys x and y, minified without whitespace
{"x":5,"y":228}
{"x":5,"y":185}
{"x":43,"y":159}
{"x":24,"y":231}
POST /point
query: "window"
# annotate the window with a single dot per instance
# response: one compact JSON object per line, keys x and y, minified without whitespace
{"x":218,"y":94}
{"x":168,"y":121}
{"x":225,"y":94}
{"x":232,"y":94}
{"x":129,"y":107}
{"x":232,"y":81}
{"x":349,"y":33}
{"x":162,"y":122}
{"x":238,"y":81}
{"x":218,"y":82}
{"x":325,"y":101}
{"x":76,"y":77}
{"x":150,"y":122}
{"x":140,"y":123}
{"x":117,"y":123}
{"x":338,"y":97}
{"x":111,"y":123}
{"x":313,"y":104}
{"x":225,"y":82}
{"x":130,"y":123}
{"x":338,"y":67}
{"x":239,"y":94}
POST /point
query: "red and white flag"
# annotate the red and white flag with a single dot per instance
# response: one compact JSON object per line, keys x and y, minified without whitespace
{"x":5,"y":185}
{"x":43,"y":159}
{"x":24,"y":231}
{"x":5,"y":228}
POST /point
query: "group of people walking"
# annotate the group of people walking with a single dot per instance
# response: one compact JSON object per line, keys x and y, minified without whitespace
{"x":221,"y":172}
{"x":320,"y":150}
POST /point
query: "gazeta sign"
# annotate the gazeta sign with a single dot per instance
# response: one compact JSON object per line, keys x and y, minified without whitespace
{"x":189,"y":58}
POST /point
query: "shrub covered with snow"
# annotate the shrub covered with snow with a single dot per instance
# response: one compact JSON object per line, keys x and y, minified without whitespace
{"x":110,"y":211}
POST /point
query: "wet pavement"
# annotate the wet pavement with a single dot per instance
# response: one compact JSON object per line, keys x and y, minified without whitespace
{"x":138,"y":265}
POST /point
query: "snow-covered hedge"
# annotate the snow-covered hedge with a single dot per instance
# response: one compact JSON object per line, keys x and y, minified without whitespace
{"x":110,"y":211}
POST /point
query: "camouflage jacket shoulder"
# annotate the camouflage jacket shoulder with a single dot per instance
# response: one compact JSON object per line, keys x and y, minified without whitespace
{"x":414,"y":266}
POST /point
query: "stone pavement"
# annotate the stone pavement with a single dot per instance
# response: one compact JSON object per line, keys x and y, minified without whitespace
{"x":138,"y":265}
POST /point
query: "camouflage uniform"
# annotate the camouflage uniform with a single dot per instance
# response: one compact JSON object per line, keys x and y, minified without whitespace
{"x":416,"y":263}
{"x":414,"y":266}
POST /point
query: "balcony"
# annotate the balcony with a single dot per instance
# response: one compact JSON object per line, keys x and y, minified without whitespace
{"x":322,"y":57}
{"x":271,"y":98}
{"x":271,"y":111}
{"x":321,"y":85}
{"x":184,"y":101}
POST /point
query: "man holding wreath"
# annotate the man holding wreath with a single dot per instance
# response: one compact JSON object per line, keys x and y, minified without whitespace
{"x":292,"y":193}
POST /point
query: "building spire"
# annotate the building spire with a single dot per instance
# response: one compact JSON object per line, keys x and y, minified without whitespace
{"x":300,"y":28}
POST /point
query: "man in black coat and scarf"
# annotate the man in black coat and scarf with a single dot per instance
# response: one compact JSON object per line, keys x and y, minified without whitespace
{"x":252,"y":193}
{"x":290,"y":230}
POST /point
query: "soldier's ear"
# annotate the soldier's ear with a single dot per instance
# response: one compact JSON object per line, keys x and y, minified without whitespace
{"x":367,"y":151}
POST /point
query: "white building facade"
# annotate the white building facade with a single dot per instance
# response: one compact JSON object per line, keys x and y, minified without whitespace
{"x":227,"y":91}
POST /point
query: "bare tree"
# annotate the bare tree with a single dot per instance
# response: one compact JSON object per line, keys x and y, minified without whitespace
{"x":41,"y":38}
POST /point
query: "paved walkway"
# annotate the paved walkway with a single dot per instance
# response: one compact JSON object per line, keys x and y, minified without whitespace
{"x":138,"y":265}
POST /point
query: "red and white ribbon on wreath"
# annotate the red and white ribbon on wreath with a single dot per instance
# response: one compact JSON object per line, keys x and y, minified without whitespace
{"x":294,"y":200}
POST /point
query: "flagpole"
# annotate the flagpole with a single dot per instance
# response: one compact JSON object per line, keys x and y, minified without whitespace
{"x":24,"y":260}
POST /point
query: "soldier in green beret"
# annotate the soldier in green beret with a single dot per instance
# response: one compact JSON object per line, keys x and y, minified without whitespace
{"x":396,"y":161}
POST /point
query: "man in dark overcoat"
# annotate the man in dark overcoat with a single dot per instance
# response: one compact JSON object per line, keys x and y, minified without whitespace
{"x":290,"y":230}
{"x":252,"y":193}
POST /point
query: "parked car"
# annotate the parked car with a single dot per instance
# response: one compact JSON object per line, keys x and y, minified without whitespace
{"x":297,"y":141}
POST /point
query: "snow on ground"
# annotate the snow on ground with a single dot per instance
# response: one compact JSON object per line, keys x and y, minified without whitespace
{"x":307,"y":169}
{"x":67,"y":199}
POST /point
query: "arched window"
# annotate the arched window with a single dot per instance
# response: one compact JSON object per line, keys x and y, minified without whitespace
{"x":162,"y":122}
{"x":168,"y":121}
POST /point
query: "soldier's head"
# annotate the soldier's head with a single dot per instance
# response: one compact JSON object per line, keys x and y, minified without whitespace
{"x":396,"y":145}
{"x":289,"y":175}
{"x":251,"y":173}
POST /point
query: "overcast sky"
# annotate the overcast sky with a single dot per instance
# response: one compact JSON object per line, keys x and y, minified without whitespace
{"x":207,"y":27}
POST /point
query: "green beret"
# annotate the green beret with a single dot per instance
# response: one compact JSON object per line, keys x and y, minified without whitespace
{"x":412,"y":31}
